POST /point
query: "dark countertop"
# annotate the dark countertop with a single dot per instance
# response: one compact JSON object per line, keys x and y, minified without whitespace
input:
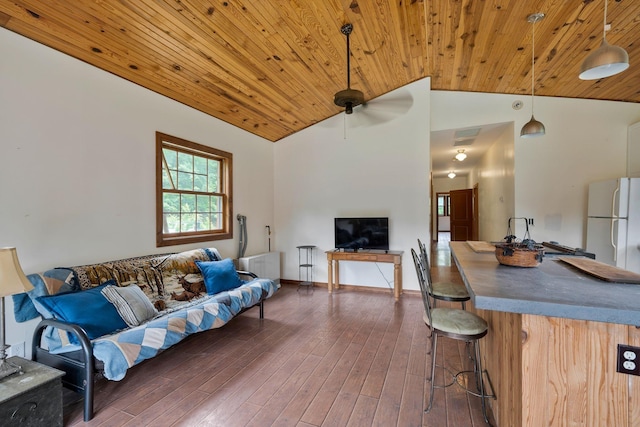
{"x":554,"y":288}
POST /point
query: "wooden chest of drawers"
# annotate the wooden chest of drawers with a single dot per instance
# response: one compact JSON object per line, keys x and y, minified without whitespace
{"x":33,"y":398}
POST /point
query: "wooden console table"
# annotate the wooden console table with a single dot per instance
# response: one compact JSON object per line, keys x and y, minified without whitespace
{"x":394,"y":257}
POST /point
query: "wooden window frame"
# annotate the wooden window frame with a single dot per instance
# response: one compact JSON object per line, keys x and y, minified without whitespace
{"x":225,"y":191}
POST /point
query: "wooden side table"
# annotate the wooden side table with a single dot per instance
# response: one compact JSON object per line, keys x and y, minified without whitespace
{"x":336,"y":256}
{"x":33,"y":398}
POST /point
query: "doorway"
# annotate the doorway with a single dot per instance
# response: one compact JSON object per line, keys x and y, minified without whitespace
{"x":443,"y":216}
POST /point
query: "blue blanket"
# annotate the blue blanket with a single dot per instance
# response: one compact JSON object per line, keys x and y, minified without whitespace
{"x":127,"y":348}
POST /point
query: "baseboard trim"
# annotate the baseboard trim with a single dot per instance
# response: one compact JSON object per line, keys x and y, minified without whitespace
{"x":357,"y":288}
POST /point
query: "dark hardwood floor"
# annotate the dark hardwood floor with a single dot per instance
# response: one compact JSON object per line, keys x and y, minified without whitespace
{"x":352,"y":359}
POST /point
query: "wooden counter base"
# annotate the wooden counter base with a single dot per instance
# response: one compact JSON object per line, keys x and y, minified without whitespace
{"x":550,"y":352}
{"x":394,"y":257}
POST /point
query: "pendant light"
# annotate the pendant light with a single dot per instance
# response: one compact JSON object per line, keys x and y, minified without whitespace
{"x":533,"y":127}
{"x":451,"y":174}
{"x":606,"y":60}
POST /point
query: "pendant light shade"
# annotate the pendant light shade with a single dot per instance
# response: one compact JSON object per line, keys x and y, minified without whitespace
{"x":451,"y":174}
{"x":605,"y":61}
{"x":533,"y":128}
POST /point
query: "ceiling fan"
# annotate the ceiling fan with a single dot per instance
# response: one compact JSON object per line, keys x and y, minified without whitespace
{"x":348,"y":98}
{"x":374,"y":111}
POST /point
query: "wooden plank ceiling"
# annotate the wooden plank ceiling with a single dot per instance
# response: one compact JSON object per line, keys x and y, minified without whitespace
{"x":271,"y":67}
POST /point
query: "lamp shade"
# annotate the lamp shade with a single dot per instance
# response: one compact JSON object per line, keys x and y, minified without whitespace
{"x":532,"y":129}
{"x":12,"y":278}
{"x":603,"y":62}
{"x":451,"y":175}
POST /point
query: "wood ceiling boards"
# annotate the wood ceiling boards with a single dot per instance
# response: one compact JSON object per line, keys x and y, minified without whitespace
{"x":271,"y":67}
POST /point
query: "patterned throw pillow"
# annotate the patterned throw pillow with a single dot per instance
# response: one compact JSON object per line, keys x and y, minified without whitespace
{"x":132,"y":304}
{"x":87,"y":309}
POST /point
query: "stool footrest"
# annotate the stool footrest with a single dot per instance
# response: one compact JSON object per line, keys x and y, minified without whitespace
{"x":490,"y":393}
{"x":450,"y":372}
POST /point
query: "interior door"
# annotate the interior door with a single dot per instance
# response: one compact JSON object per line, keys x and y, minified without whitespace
{"x":476,"y":221}
{"x":461,"y":214}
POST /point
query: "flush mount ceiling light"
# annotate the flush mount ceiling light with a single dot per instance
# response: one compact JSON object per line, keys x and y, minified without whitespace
{"x":461,"y":155}
{"x":533,"y":127}
{"x":606,"y":60}
{"x":452,"y":174}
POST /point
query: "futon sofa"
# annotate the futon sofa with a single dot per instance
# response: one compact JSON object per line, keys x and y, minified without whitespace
{"x":102,"y":319}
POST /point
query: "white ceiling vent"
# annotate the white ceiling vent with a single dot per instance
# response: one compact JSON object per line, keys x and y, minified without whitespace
{"x":465,"y":136}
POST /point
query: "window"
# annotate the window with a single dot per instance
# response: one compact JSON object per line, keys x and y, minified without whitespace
{"x":193,"y":192}
{"x":444,"y":204}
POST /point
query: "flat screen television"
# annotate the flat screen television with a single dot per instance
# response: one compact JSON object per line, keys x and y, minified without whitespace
{"x":362,"y":233}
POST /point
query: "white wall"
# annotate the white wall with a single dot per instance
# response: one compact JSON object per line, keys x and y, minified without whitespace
{"x":496,"y":194}
{"x":77,"y":182}
{"x":586,"y":141}
{"x":379,"y":170}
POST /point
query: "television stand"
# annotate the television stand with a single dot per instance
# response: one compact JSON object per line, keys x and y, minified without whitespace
{"x":394,"y":257}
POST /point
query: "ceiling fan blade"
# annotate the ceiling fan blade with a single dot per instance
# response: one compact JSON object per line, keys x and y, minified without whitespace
{"x":396,"y":103}
{"x":366,"y":118}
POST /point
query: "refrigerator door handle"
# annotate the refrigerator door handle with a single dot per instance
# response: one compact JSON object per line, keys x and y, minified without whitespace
{"x":613,"y":243}
{"x":613,"y":205}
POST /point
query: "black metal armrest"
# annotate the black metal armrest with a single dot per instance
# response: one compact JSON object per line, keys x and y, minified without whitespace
{"x":76,"y":330}
{"x":247,"y":273}
{"x":81,"y":372}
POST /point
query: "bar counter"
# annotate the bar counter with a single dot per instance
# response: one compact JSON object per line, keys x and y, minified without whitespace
{"x":554,"y":288}
{"x":551,"y":350}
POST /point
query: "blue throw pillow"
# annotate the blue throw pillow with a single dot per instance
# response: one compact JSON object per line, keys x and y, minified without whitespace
{"x":219,"y":276}
{"x":88,"y":309}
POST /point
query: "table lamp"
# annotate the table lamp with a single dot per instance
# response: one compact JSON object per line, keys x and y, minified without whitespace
{"x":12,"y":281}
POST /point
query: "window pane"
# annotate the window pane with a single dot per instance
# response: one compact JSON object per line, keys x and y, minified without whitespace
{"x":188,"y":222}
{"x":204,"y":222}
{"x":200,"y":183}
{"x":171,"y":223}
{"x":203,"y":204}
{"x":216,"y":204}
{"x":167,"y":184}
{"x":216,"y":221}
{"x":200,"y":165}
{"x":185,"y":162}
{"x":214,"y":176}
{"x":171,"y":157}
{"x":170,"y":202}
{"x":185,"y":181}
{"x":188,"y":203}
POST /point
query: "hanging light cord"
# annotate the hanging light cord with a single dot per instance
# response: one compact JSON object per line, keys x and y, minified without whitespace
{"x":604,"y":26}
{"x":533,"y":62}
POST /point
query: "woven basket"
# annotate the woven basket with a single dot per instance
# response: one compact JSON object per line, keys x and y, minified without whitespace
{"x":508,"y":254}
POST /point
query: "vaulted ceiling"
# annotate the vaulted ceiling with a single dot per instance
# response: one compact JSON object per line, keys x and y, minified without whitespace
{"x":271,"y":67}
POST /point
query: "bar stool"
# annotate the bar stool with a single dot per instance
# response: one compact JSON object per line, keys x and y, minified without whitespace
{"x":443,"y":291}
{"x":459,"y":325}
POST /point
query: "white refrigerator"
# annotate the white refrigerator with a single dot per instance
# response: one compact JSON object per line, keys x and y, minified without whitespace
{"x":613,"y":222}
